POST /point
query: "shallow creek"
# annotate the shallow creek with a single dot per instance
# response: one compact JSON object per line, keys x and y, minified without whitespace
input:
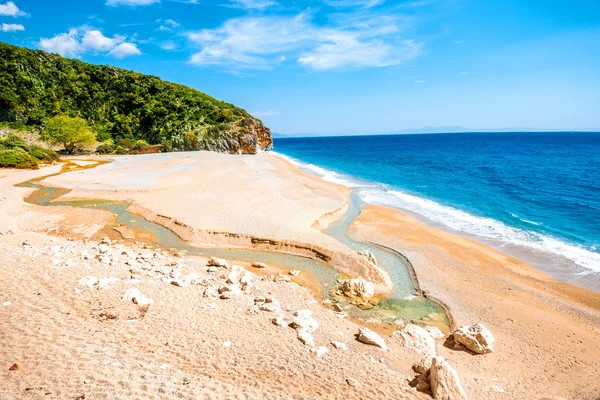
{"x":401,"y":304}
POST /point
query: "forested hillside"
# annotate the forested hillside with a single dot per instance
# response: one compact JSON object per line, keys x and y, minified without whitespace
{"x":121,"y":106}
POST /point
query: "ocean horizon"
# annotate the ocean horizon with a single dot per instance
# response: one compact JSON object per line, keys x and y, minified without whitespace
{"x":534,"y":195}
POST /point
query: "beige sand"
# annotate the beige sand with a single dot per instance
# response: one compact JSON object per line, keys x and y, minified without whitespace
{"x":547,"y":332}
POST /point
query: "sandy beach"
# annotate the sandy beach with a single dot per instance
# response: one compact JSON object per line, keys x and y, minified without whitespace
{"x":71,"y":340}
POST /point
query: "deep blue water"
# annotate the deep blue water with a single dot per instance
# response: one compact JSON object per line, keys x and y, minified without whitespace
{"x":538,"y":191}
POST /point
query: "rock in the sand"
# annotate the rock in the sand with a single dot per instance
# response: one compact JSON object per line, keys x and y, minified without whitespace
{"x":444,"y":381}
{"x":88,"y":281}
{"x":358,"y":288}
{"x":278,"y":321}
{"x":422,"y":366}
{"x":352,"y":382}
{"x":295,"y":272}
{"x":369,"y":256}
{"x":367,"y":336}
{"x":106,"y":283}
{"x":305,"y":337}
{"x":259,"y":265}
{"x":142,"y":300}
{"x":131,"y":293}
{"x":14,"y":367}
{"x":269,"y":304}
{"x":340,"y":345}
{"x":476,"y":338}
{"x":218,"y":262}
{"x":303,"y":320}
{"x":417,"y":338}
{"x":321,"y":351}
{"x":434,"y":332}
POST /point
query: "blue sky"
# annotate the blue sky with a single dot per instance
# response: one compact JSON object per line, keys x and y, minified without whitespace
{"x":345,"y":66}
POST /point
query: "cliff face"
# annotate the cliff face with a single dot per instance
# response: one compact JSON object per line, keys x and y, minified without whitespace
{"x":122,"y":106}
{"x":255,"y":138}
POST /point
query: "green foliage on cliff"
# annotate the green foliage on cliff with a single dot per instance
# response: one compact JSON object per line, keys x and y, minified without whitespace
{"x":119,"y":105}
{"x":73,"y":133}
{"x":15,"y":153}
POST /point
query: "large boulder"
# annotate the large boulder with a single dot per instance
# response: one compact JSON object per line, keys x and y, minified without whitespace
{"x":367,"y":336}
{"x":444,"y":381}
{"x":476,"y":338}
{"x":417,"y":338}
{"x":358,"y":288}
{"x":217,"y":262}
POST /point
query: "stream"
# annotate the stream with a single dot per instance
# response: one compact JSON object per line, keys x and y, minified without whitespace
{"x":401,"y":303}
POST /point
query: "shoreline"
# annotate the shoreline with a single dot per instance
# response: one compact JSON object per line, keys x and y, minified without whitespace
{"x":543,"y":261}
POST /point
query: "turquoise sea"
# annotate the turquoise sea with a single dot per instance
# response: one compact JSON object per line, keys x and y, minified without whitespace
{"x":533,"y":195}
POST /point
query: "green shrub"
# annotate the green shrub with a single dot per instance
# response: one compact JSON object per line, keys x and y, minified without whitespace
{"x":42,"y":154}
{"x":17,"y":158}
{"x":140,"y":145}
{"x":73,"y":133}
{"x":13,"y":141}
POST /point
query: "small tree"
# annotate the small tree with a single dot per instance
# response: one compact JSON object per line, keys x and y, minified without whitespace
{"x":73,"y":133}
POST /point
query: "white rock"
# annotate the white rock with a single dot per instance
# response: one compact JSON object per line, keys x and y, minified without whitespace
{"x":131,"y":293}
{"x":142,"y":300}
{"x":422,"y":366}
{"x":234,"y":277}
{"x":180,"y":283}
{"x":259,"y":265}
{"x":444,"y":381}
{"x":218,"y":262}
{"x":305,"y":337}
{"x":278,"y":321}
{"x":435,"y":333}
{"x":89,"y":281}
{"x":6,"y":303}
{"x":210,"y":291}
{"x":415,"y":337}
{"x":340,"y":345}
{"x":367,"y":336}
{"x":303,"y":320}
{"x":321,"y":351}
{"x":105,"y":283}
{"x":358,"y":288}
{"x":295,"y":272}
{"x":476,"y":338}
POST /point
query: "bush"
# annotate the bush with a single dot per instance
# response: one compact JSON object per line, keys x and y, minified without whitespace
{"x":13,"y":141}
{"x":42,"y":154}
{"x":17,"y":158}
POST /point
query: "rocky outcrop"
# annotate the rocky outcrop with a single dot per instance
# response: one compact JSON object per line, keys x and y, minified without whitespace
{"x":358,"y":288}
{"x":417,"y":338}
{"x":367,"y":336}
{"x":476,"y":338}
{"x":248,"y":139}
{"x":444,"y":381}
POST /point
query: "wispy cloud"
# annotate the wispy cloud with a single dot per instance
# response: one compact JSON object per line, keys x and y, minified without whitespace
{"x":77,"y":42}
{"x":10,"y":9}
{"x":132,"y":3}
{"x":353,"y":3}
{"x":251,"y":4}
{"x":168,"y":25}
{"x":11,"y":27}
{"x":260,"y":42}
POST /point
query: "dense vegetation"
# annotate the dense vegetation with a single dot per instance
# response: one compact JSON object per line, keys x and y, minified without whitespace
{"x":121,"y":107}
{"x":15,"y":153}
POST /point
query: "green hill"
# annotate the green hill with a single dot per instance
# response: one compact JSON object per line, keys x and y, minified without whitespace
{"x":121,"y":106}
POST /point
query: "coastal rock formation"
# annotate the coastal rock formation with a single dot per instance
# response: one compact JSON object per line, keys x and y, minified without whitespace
{"x":417,"y":338}
{"x":476,"y":338}
{"x":444,"y":381}
{"x":367,"y":336}
{"x":358,"y":288}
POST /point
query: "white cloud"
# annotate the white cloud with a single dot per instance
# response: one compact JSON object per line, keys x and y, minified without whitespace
{"x":95,"y":40}
{"x":252,"y":4}
{"x":77,"y":42}
{"x":132,"y":3}
{"x":464,"y":73}
{"x":169,"y":46}
{"x":10,"y":9}
{"x":353,"y":3}
{"x":267,"y":113}
{"x":125,"y":50}
{"x":172,"y":23}
{"x":259,"y":42}
{"x":12,"y":28}
{"x":168,"y":25}
{"x":419,"y":81}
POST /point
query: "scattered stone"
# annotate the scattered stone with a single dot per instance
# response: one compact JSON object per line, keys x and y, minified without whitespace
{"x":435,"y":333}
{"x":88,"y":281}
{"x":210,"y":291}
{"x":130,"y":294}
{"x":218,"y":262}
{"x":341,"y":315}
{"x":369,"y":256}
{"x":476,"y":338}
{"x":14,"y":367}
{"x":142,"y":300}
{"x":180,"y":283}
{"x":212,"y":269}
{"x":106,"y":283}
{"x":283,"y":278}
{"x":340,"y":345}
{"x":259,"y":265}
{"x":444,"y":381}
{"x":367,"y":336}
{"x":417,"y":338}
{"x":305,"y":337}
{"x":352,"y":382}
{"x":270,"y":304}
{"x":6,"y":303}
{"x":423,"y":386}
{"x":303,"y":320}
{"x":337,"y":307}
{"x":358,"y":288}
{"x":422,"y":366}
{"x":278,"y":321}
{"x":295,"y":272}
{"x":321,"y":351}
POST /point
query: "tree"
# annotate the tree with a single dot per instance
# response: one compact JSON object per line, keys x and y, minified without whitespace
{"x":73,"y":133}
